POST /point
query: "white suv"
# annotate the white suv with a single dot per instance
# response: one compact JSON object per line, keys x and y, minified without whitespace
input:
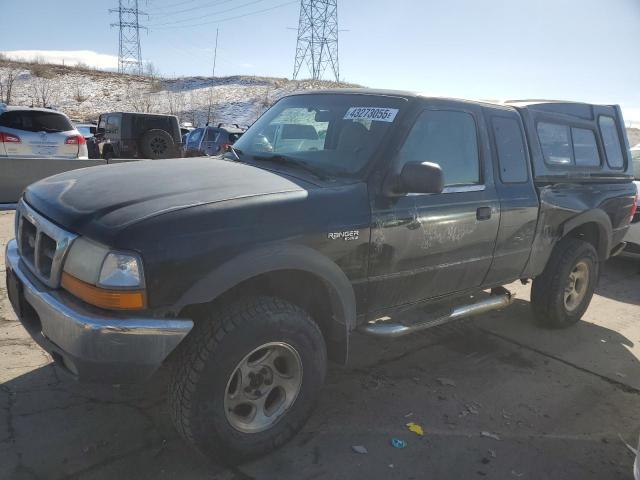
{"x":39,"y":132}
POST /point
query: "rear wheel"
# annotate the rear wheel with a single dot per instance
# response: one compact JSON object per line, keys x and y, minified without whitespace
{"x":156,"y":144}
{"x":247,"y":378}
{"x":561,"y":295}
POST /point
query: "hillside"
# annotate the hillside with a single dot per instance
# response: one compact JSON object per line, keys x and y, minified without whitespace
{"x":84,"y":93}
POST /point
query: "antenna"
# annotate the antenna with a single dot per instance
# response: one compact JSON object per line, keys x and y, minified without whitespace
{"x":317,"y":45}
{"x":129,"y":55}
{"x":213,"y":76}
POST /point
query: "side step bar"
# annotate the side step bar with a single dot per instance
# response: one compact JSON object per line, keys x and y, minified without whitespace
{"x":500,"y":297}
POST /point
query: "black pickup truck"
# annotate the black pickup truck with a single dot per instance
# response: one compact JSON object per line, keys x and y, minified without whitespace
{"x":336,"y":211}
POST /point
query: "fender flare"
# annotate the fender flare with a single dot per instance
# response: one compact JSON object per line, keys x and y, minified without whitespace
{"x":605,"y":229}
{"x":270,"y":258}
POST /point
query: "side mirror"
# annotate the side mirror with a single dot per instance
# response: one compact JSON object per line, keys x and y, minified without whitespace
{"x":420,"y":177}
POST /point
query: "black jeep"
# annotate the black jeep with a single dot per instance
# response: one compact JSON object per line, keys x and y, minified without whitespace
{"x":335,"y":212}
{"x":139,"y":135}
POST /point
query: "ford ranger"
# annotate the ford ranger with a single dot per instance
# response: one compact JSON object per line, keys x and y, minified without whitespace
{"x":336,"y":212}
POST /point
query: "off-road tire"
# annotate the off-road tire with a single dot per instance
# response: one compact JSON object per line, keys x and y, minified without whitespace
{"x":157,"y":143}
{"x":205,"y":361}
{"x":548,"y":289}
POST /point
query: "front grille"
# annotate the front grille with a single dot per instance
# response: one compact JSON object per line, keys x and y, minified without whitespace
{"x":42,"y":244}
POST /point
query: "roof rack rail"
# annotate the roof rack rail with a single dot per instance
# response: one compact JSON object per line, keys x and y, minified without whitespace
{"x":532,"y":100}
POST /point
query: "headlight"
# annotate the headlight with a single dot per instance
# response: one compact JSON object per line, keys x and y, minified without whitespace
{"x":120,"y":270}
{"x":102,"y":277}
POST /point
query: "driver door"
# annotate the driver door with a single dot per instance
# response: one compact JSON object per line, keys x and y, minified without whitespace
{"x":424,"y":246}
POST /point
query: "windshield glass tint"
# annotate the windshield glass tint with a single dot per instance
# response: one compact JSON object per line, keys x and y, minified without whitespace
{"x":35,"y":121}
{"x":335,"y":133}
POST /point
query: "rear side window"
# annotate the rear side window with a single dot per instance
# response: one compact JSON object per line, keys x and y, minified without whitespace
{"x":212,"y":135}
{"x":194,"y":138}
{"x":556,"y":146}
{"x":585,"y":148}
{"x":611,"y":141}
{"x":35,"y":121}
{"x":447,"y":138}
{"x":113,"y":124}
{"x":510,"y":146}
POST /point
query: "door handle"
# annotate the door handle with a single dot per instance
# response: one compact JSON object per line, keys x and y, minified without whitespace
{"x":483,"y":213}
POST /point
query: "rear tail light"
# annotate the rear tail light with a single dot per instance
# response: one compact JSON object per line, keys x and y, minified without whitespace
{"x":634,"y":208}
{"x":75,"y":140}
{"x":9,"y":138}
{"x":225,"y":147}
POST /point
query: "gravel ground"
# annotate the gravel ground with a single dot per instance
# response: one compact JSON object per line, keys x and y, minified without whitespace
{"x":551,"y":404}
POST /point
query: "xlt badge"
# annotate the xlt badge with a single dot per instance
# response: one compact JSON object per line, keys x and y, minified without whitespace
{"x":347,"y":236}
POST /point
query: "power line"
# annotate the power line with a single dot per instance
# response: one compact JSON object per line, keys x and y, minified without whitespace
{"x":200,"y":17}
{"x":129,"y":53}
{"x":317,"y":43}
{"x":173,"y":4}
{"x":228,"y":18}
{"x":191,"y":9}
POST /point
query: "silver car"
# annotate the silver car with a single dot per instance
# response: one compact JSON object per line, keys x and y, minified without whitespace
{"x":633,"y":235}
{"x":39,"y":132}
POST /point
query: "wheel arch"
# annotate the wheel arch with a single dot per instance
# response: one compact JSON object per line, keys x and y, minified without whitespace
{"x":593,"y":226}
{"x":296,"y":273}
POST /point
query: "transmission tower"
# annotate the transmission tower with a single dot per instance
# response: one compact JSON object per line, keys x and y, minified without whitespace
{"x":129,"y":56}
{"x":317,"y":46}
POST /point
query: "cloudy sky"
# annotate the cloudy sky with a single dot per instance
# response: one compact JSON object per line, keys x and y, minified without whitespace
{"x":493,"y":49}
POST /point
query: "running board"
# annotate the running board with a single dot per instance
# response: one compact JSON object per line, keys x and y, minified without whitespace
{"x":500,"y":297}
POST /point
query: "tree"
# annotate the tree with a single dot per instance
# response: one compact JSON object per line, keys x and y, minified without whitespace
{"x":143,"y":102}
{"x":42,"y":92}
{"x":7,"y":79}
{"x":153,"y":75}
{"x":175,"y":103}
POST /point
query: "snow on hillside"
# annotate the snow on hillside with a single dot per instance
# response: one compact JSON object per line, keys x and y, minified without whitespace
{"x":83,"y":94}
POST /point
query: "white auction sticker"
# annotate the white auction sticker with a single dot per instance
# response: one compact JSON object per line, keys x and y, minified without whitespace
{"x":378,"y":114}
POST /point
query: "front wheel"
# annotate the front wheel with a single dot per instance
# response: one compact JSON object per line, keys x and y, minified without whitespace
{"x":561,"y":295}
{"x":247,"y":379}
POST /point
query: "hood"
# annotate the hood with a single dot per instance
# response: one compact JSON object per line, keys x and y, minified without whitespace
{"x":113,"y":197}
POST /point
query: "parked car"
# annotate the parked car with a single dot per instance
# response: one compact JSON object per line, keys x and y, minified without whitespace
{"x":245,"y":274}
{"x":211,"y":140}
{"x":88,"y":131}
{"x":139,"y":135}
{"x":633,"y":235}
{"x":38,"y":132}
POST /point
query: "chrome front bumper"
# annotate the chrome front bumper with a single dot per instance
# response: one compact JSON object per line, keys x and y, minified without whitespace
{"x":92,"y":344}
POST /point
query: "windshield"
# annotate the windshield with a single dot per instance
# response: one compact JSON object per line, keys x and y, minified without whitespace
{"x":337,"y":134}
{"x":635,"y":156}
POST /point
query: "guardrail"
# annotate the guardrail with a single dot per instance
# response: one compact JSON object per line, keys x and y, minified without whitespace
{"x":17,"y":173}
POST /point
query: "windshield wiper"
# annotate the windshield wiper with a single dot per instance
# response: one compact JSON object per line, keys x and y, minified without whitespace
{"x":285,"y":160}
